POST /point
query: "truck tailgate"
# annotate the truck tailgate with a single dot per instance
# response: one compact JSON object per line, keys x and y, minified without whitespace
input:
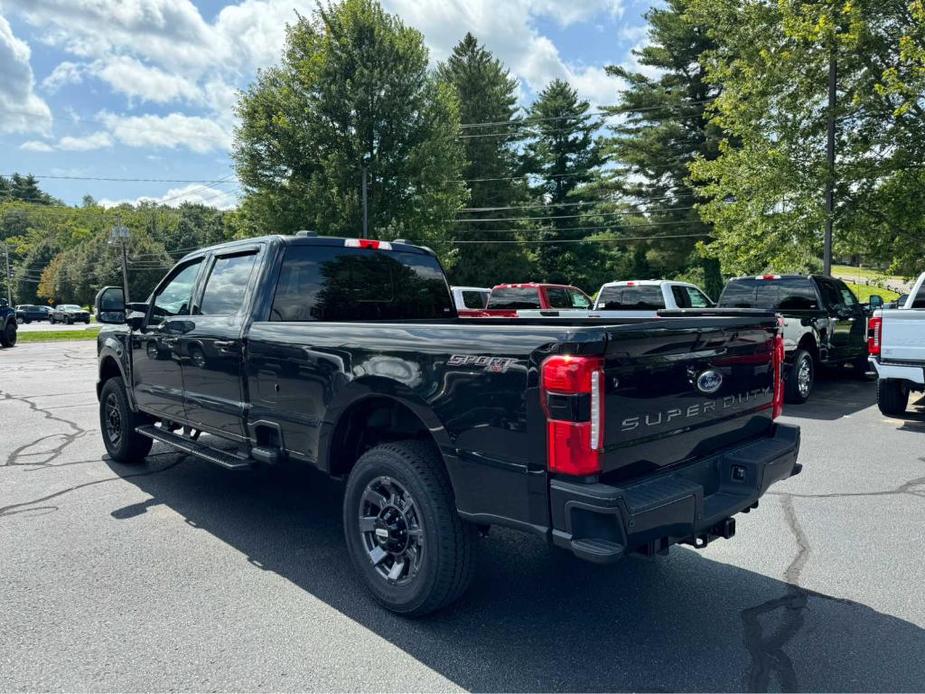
{"x":681,"y":389}
{"x":902,"y":336}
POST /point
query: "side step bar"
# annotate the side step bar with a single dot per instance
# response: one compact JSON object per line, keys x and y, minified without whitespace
{"x":227,"y":460}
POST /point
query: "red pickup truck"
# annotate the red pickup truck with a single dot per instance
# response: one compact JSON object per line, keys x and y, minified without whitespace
{"x":506,"y":299}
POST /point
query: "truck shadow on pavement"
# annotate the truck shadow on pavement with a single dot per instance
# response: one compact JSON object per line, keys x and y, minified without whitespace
{"x":536,"y":619}
{"x":836,"y":394}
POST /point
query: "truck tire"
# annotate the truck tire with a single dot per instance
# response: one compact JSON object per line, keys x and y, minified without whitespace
{"x":892,"y":396}
{"x":8,"y":334}
{"x":117,"y":425}
{"x":403,"y":533}
{"x":801,"y":378}
{"x":861,"y":365}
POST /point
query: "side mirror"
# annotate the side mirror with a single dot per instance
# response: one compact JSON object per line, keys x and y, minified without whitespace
{"x":875,"y":302}
{"x":110,"y":305}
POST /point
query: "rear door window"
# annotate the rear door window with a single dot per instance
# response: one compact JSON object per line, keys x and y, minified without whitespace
{"x":514,"y":298}
{"x":331,"y":283}
{"x":689,"y":297}
{"x":227,"y":285}
{"x":625,"y":298}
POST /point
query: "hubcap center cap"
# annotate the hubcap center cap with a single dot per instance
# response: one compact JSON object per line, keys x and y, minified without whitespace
{"x":391,"y":530}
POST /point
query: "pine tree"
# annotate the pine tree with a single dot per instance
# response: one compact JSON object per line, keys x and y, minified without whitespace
{"x":663,"y":126}
{"x":563,"y":156}
{"x":487,"y":102}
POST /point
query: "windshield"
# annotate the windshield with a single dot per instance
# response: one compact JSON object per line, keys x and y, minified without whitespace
{"x":70,"y":307}
{"x":786,"y":293}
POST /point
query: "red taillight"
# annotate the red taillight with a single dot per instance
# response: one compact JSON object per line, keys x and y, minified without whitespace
{"x":777,"y":404}
{"x":573,"y":447}
{"x":874,"y":335}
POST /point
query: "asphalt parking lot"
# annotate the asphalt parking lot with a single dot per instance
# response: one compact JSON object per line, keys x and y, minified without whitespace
{"x":178,"y":575}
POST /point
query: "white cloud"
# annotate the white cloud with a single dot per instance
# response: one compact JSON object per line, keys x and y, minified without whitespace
{"x":130,"y":77}
{"x":36,"y":146}
{"x":98,"y":140}
{"x":193,"y":193}
{"x":198,"y":134}
{"x":86,"y":143}
{"x":21,"y":110}
{"x":64,"y":73}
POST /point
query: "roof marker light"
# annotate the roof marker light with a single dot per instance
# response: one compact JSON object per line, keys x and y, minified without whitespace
{"x":368,"y":243}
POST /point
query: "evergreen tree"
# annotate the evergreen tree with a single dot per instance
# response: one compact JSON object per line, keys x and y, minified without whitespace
{"x":664,"y":125}
{"x":487,"y":102}
{"x":353,"y":91}
{"x":563,"y":157}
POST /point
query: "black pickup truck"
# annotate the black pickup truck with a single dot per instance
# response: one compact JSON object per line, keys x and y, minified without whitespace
{"x":824,"y":323}
{"x":606,"y":437}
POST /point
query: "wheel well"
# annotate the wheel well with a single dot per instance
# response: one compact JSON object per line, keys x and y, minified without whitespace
{"x":368,"y":423}
{"x":808,"y":342}
{"x":108,"y":369}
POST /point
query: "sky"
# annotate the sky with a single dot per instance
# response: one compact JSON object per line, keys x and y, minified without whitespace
{"x":145,"y":89}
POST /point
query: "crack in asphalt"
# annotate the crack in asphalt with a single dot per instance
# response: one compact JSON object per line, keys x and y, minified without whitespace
{"x":50,"y":454}
{"x":24,"y":506}
{"x":915,"y":487}
{"x":766,"y":648}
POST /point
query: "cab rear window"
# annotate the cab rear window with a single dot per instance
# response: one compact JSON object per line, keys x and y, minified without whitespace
{"x":327,"y":283}
{"x":514,"y":298}
{"x":643,"y":298}
{"x":785,"y":293}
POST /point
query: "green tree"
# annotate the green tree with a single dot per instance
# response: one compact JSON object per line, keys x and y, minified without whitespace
{"x":766,"y":187}
{"x":663,"y":125}
{"x":563,"y":157}
{"x":488,"y":104}
{"x":352,"y":90}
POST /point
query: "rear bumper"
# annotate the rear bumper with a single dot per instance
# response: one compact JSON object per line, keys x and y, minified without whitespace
{"x":902,"y":372}
{"x":694,"y":504}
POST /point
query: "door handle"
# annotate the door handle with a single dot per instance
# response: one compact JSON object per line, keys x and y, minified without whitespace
{"x":224,"y":344}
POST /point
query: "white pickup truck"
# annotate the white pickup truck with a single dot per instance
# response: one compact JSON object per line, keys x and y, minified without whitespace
{"x":896,"y":343}
{"x":634,"y":299}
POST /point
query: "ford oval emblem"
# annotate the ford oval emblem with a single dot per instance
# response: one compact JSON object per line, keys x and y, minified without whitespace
{"x":709,"y":381}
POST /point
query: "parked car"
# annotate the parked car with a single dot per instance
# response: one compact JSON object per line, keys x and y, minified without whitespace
{"x":824,"y":324}
{"x":897,"y":351}
{"x":603,"y":438}
{"x":506,"y":300}
{"x":8,"y":325}
{"x":636,"y":298}
{"x":26,"y":313}
{"x":470,"y":301}
{"x":70,"y":313}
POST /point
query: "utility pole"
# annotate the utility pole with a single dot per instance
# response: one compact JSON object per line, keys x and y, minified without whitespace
{"x":365,"y":206}
{"x":830,"y":173}
{"x":9,"y":281}
{"x":120,"y":233}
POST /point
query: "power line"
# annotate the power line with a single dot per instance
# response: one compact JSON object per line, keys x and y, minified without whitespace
{"x":609,"y":227}
{"x":588,"y":114}
{"x":572,"y":204}
{"x":562,"y":216}
{"x":113,"y":179}
{"x":586,"y":239}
